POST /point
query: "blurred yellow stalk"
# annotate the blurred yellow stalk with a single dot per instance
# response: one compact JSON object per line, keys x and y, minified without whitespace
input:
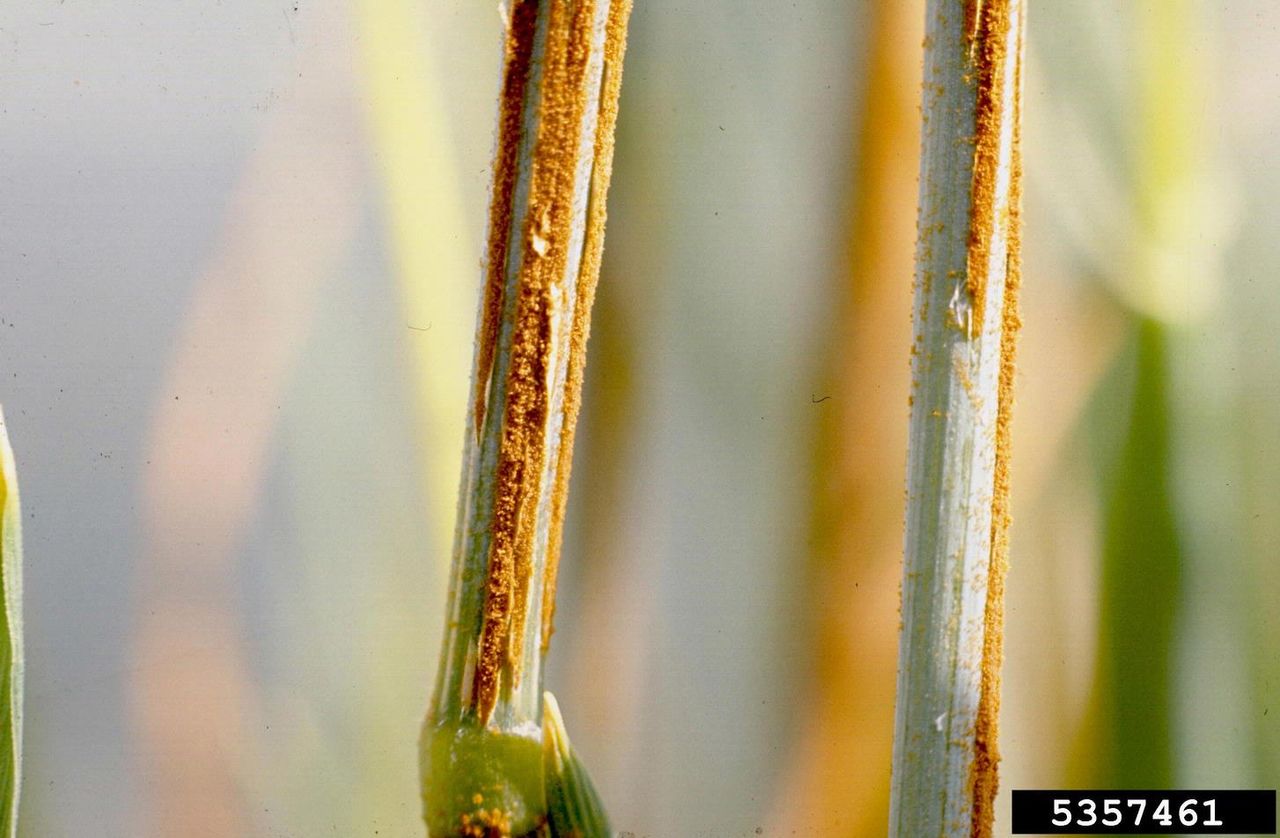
{"x":838,"y":779}
{"x":436,"y":265}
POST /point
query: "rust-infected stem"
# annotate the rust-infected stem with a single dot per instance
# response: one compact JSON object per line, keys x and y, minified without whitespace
{"x":551,"y":172}
{"x":966,"y":322}
{"x":482,"y":764}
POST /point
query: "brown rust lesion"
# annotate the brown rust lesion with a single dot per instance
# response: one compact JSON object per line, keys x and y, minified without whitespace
{"x":972,"y":25}
{"x":589,"y":272}
{"x":986,"y":752}
{"x":518,"y":63}
{"x":529,"y":404}
{"x":987,"y":28}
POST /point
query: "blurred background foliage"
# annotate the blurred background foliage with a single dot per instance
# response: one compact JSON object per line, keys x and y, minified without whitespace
{"x":240,"y":266}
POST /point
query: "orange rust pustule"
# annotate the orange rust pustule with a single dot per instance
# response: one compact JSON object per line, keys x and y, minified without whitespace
{"x":519,"y":55}
{"x":545,"y":254}
{"x":972,"y":22}
{"x":986,"y":751}
{"x":588,"y":274}
{"x":987,"y":53}
{"x":555,"y":163}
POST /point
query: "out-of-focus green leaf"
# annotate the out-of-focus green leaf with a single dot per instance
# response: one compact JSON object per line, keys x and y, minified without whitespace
{"x":10,"y":640}
{"x":574,"y":809}
{"x":1141,"y":571}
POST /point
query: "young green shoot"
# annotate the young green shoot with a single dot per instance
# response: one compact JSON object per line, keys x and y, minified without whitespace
{"x":10,"y":639}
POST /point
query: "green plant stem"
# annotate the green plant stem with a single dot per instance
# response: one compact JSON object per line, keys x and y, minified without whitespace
{"x":481,"y":744}
{"x":11,"y":657}
{"x":965,"y":323}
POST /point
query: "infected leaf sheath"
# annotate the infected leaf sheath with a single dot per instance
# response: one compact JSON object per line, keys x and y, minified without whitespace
{"x":966,"y":323}
{"x":555,"y":139}
{"x":481,"y":766}
{"x":997,"y":32}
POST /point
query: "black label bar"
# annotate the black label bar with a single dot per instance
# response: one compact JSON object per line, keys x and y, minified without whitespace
{"x":1130,"y":812}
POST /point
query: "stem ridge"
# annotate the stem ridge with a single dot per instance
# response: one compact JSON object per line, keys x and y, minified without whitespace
{"x":966,"y":323}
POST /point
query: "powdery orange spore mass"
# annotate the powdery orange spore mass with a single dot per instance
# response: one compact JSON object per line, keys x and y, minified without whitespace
{"x":545,"y":255}
{"x":588,"y":274}
{"x":500,"y":582}
{"x":991,"y":18}
{"x":519,"y":54}
{"x":993,"y":31}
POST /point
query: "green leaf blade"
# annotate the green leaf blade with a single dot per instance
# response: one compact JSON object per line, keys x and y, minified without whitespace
{"x":574,"y":809}
{"x":11,"y":660}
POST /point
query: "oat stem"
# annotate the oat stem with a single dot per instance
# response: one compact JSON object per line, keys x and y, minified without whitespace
{"x":944,"y":760}
{"x":555,"y":143}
